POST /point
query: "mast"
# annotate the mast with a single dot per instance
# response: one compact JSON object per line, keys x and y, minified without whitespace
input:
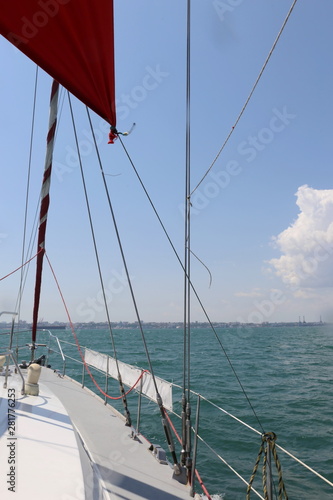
{"x":44,"y":205}
{"x":186,"y":407}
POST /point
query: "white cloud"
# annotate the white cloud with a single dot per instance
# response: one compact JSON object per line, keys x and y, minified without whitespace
{"x":307,"y":245}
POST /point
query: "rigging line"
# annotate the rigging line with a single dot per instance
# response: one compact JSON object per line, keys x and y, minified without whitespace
{"x":79,"y":347}
{"x":93,"y":232}
{"x":101,"y":168}
{"x":158,"y":396}
{"x":249,"y":96}
{"x":192,"y":286}
{"x":20,"y":267}
{"x":215,"y":452}
{"x":210,"y":274}
{"x":121,"y":387}
{"x":99,"y":267}
{"x":211,"y":449}
{"x":33,"y":234}
{"x":125,"y":264}
{"x":62,"y":96}
{"x":229,"y":466}
{"x":34,"y":229}
{"x":20,"y":293}
{"x":44,"y":205}
{"x":31,"y":245}
{"x":229,"y":361}
{"x":196,"y":471}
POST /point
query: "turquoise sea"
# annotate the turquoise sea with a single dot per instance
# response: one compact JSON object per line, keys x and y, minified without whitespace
{"x":287,"y":373}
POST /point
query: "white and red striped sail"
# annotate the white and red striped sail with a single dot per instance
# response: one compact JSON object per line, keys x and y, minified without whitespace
{"x":45,"y":201}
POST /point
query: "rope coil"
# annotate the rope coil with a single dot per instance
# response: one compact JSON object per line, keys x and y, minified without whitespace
{"x":267,"y":444}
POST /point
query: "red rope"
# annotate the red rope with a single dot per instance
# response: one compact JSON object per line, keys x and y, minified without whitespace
{"x":203,"y":487}
{"x":27,"y":262}
{"x":172,"y":426}
{"x":79,"y":347}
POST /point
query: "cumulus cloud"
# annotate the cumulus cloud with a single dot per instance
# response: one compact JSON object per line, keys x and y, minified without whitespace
{"x":307,"y":245}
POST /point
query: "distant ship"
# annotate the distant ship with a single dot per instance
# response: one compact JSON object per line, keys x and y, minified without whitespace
{"x":51,"y":327}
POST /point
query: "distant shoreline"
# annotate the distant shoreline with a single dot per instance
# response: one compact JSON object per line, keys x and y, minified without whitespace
{"x":125,"y":325}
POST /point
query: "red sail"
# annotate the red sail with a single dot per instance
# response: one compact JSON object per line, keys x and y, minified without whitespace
{"x":72,"y":40}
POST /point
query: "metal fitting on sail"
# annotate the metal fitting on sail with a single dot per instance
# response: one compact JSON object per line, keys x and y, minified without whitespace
{"x":113,"y":134}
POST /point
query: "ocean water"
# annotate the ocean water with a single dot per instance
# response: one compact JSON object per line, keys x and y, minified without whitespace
{"x":287,"y":373}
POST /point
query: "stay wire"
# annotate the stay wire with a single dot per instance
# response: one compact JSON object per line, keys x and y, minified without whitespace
{"x":79,"y":347}
{"x":204,"y":265}
{"x":93,"y":233}
{"x":32,"y":129}
{"x":124,"y":262}
{"x":191,"y":284}
{"x":248,"y":98}
{"x":121,"y":386}
{"x":33,"y":233}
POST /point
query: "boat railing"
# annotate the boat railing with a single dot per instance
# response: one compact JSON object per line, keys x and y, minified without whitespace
{"x":9,"y":354}
{"x":283,"y":450}
{"x":29,"y":346}
{"x":246,"y":425}
{"x":56,"y":346}
{"x":49,"y":350}
{"x":197,"y":435}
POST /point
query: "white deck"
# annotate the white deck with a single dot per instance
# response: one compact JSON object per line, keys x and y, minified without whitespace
{"x":42,"y":450}
{"x":46,"y":436}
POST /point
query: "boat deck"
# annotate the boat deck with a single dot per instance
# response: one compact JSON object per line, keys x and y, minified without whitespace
{"x":39,"y":453}
{"x":113,"y":465}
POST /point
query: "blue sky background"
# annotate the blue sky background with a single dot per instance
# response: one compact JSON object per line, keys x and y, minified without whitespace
{"x":265,"y":236}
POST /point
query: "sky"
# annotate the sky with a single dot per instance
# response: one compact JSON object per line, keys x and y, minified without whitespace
{"x":262,"y":219}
